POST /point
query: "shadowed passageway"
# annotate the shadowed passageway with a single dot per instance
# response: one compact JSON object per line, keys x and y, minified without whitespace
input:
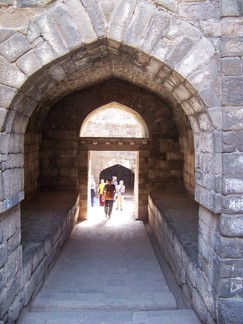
{"x":107,"y":273}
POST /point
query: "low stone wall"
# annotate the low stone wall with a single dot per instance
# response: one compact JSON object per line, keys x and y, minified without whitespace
{"x":181,"y":257}
{"x":36,"y":256}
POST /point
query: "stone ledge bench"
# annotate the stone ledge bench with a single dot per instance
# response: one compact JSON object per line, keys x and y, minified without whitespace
{"x":173,"y":218}
{"x":46,"y":223}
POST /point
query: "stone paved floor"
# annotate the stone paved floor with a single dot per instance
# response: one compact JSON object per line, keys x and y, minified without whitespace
{"x":107,"y":273}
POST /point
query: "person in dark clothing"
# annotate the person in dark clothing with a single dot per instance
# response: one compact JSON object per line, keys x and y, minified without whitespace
{"x":109,"y":192}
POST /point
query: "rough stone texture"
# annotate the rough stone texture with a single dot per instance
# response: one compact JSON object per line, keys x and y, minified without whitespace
{"x":231,"y":226}
{"x":43,"y":60}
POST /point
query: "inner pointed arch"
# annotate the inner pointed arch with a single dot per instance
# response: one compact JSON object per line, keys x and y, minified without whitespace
{"x":114,"y":120}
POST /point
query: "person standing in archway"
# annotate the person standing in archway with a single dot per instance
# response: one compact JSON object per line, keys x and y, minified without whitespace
{"x":101,"y":190}
{"x":92,"y":190}
{"x":120,"y":190}
{"x":109,"y":193}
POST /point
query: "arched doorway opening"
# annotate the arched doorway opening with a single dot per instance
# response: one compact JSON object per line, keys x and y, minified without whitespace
{"x":121,"y":173}
{"x":118,"y":122}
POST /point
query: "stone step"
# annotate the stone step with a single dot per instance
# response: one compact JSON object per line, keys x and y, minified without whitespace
{"x":181,"y":316}
{"x":104,"y":301}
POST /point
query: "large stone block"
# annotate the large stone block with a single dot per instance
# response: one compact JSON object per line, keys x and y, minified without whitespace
{"x":231,"y":46}
{"x":3,"y":260}
{"x":232,"y":90}
{"x":230,"y":8}
{"x":231,"y":268}
{"x":232,"y":142}
{"x":232,"y":185}
{"x":44,"y":53}
{"x":123,"y":13}
{"x":231,"y":247}
{"x":232,"y":164}
{"x":231,"y":66}
{"x":231,"y":287}
{"x":29,"y":63}
{"x":231,"y":225}
{"x":232,"y":27}
{"x":230,"y":310}
{"x":32,"y":3}
{"x":197,"y":57}
{"x":7,"y":95}
{"x":135,"y":32}
{"x":198,"y":10}
{"x":96,"y":16}
{"x":168,"y":4}
{"x":66,"y":26}
{"x":10,"y":75}
{"x":232,"y":118}
{"x":50,"y":34}
{"x":233,"y":204}
{"x":14,"y":47}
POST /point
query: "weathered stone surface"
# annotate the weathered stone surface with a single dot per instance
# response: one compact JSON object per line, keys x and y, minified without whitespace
{"x":230,"y":7}
{"x":233,"y":204}
{"x":94,"y":11}
{"x":231,"y":287}
{"x":202,"y":10}
{"x":231,"y":268}
{"x":231,"y":66}
{"x":10,"y":75}
{"x":232,"y":46}
{"x":232,"y":185}
{"x":160,"y":21}
{"x":232,"y":164}
{"x":32,"y":3}
{"x":16,"y":306}
{"x":232,"y":27}
{"x":230,"y":310}
{"x":121,"y":18}
{"x":168,"y":4}
{"x":136,"y":31}
{"x":232,"y":142}
{"x":232,"y":118}
{"x":3,"y":260}
{"x":197,"y":57}
{"x":150,"y":26}
{"x":231,"y":247}
{"x":50,"y":34}
{"x":180,"y":51}
{"x":7,"y":95}
{"x":14,"y":47}
{"x":232,"y":90}
{"x":82,"y":21}
{"x":68,"y":30}
{"x":29,"y":63}
{"x":7,"y":295}
{"x":231,"y":225}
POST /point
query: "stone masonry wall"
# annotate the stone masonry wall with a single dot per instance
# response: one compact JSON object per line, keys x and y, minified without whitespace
{"x":11,"y":260}
{"x":198,"y":292}
{"x":59,"y":169}
{"x":188,"y":52}
{"x":23,"y":273}
{"x":32,"y":142}
{"x":228,"y":241}
{"x":65,"y":120}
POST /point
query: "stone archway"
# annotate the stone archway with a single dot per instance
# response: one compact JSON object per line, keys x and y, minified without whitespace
{"x":169,"y":56}
{"x":121,"y":172}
